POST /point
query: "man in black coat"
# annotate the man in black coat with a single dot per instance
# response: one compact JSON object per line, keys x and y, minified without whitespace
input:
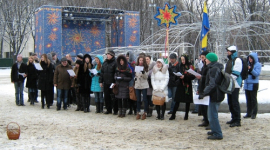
{"x":174,"y":66}
{"x":18,"y":74}
{"x":106,"y":79}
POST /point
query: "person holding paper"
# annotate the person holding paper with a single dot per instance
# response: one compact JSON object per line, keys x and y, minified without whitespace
{"x":201,"y":87}
{"x":62,"y":81}
{"x":122,"y":77}
{"x":159,"y":80}
{"x":18,"y":80}
{"x":184,"y":91}
{"x":84,"y":81}
{"x":106,"y":79}
{"x":174,"y":67}
{"x":31,"y":82}
{"x":141,"y":86}
{"x":98,"y":91}
{"x":45,"y":80}
{"x":216,"y":95}
{"x":151,"y":65}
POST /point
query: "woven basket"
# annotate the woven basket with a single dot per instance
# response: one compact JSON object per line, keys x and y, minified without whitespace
{"x":13,"y":134}
{"x":158,"y":100}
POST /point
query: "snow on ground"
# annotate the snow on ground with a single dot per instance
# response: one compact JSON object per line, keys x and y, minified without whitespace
{"x":50,"y":129}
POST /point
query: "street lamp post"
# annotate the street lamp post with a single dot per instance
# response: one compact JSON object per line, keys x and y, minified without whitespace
{"x":152,"y":5}
{"x":117,"y":28}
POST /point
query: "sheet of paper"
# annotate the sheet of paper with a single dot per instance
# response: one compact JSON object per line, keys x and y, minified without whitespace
{"x":200,"y":65}
{"x":193,"y":72}
{"x":94,"y":71}
{"x":138,"y":68}
{"x":111,"y":85}
{"x":204,"y":101}
{"x":118,"y":77}
{"x":22,"y":74}
{"x":71,"y":72}
{"x":177,"y":74}
{"x":38,"y":67}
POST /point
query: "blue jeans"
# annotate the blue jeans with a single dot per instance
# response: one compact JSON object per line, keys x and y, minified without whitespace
{"x":171,"y":93}
{"x":19,"y":92}
{"x":98,"y":97}
{"x":138,"y":95}
{"x":213,"y":119}
{"x":62,"y":93}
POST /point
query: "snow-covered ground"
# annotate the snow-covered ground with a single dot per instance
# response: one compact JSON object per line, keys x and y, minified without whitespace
{"x":44,"y":129}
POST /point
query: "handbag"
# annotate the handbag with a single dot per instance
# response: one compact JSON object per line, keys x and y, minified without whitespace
{"x":115,"y":89}
{"x":158,"y":100}
{"x":132,"y":94}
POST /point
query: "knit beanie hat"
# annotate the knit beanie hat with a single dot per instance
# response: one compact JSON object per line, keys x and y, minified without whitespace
{"x":173,"y":56}
{"x":212,"y":57}
{"x":204,"y":53}
{"x":111,"y":52}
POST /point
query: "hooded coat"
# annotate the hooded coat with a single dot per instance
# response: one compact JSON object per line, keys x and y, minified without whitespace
{"x":184,"y":92}
{"x":125,"y":73}
{"x":251,"y":83}
{"x":150,"y":69}
{"x":45,"y":79}
{"x":211,"y":82}
{"x":95,"y":79}
{"x":160,"y":79}
{"x":84,"y":79}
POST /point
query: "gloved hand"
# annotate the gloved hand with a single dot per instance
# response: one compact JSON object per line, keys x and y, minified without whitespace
{"x":92,"y":75}
{"x":200,"y":96}
{"x":143,"y":72}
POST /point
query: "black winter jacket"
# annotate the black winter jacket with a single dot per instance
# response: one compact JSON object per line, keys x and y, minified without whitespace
{"x":203,"y":78}
{"x":15,"y":77}
{"x":107,"y":71}
{"x":45,"y":80}
{"x":213,"y":77}
{"x":31,"y":76}
{"x":173,"y":81}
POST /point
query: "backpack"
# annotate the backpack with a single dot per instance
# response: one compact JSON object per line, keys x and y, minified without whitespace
{"x":225,"y":82}
{"x":244,"y":72}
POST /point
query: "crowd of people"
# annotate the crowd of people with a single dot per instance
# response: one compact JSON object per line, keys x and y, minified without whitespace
{"x":115,"y":78}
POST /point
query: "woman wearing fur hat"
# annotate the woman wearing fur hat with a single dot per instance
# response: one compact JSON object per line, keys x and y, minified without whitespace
{"x":150,"y":64}
{"x":141,"y":86}
{"x":122,"y":77}
{"x":45,"y":80}
{"x":159,"y":80}
{"x":98,"y":91}
{"x":184,"y":88}
{"x":84,"y":81}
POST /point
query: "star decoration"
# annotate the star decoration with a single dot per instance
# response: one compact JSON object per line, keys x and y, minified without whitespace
{"x":167,"y":15}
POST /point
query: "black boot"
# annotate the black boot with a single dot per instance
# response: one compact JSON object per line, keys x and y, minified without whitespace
{"x":150,"y":111}
{"x":88,"y":104}
{"x":32,"y":98}
{"x":124,"y":112}
{"x":97,"y":107}
{"x":84,"y":100}
{"x":135,"y":108}
{"x":163,"y":111}
{"x":120,"y":112}
{"x":158,"y":112}
{"x":187,"y":111}
{"x":101,"y":107}
{"x":130,"y":107}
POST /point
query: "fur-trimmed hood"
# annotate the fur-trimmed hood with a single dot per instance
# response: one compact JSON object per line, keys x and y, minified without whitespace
{"x":163,"y":69}
{"x":131,"y":56}
{"x":125,"y":66}
{"x":87,"y":56}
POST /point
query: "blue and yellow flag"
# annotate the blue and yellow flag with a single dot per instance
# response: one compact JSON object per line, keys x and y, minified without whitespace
{"x":205,"y":27}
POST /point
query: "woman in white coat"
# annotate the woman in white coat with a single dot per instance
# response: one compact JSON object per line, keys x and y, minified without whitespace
{"x":159,"y":80}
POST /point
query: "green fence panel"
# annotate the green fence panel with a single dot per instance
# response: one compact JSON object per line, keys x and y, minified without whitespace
{"x":6,"y":62}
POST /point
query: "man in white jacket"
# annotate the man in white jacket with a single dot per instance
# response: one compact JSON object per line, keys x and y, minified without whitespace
{"x":234,"y":68}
